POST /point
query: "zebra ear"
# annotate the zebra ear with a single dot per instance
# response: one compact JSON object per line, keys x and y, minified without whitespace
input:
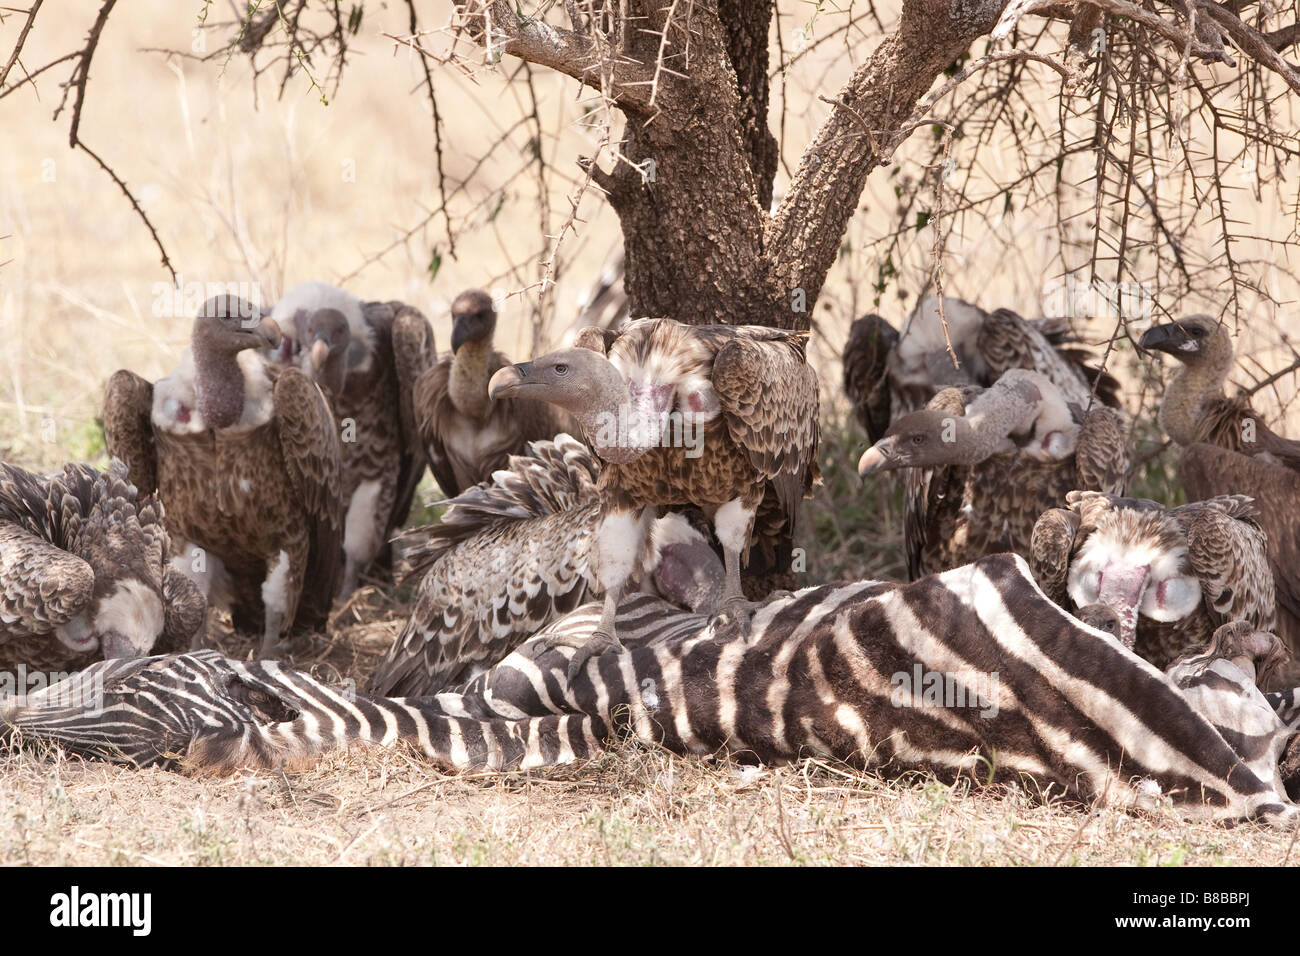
{"x":1050,"y":548}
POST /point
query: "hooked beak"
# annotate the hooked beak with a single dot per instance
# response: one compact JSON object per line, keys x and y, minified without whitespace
{"x":876,"y":457}
{"x":320,"y":351}
{"x":507,"y":381}
{"x":1121,"y":587}
{"x":1167,"y":338}
{"x":268,"y":331}
{"x":459,"y":332}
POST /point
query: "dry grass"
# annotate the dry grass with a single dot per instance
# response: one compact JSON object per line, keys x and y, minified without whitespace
{"x":633,"y":806}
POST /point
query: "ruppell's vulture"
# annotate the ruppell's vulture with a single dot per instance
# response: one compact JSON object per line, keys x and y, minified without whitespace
{"x":367,"y":357}
{"x":467,"y":433}
{"x":983,"y":464}
{"x":715,"y":416}
{"x":514,"y":554}
{"x":246,"y":458}
{"x":1171,"y":575}
{"x":84,"y":572}
{"x":1227,"y":449}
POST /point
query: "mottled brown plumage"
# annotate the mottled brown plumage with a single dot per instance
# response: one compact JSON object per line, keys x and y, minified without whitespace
{"x":1172,"y":575}
{"x":467,"y":434}
{"x":84,"y":573}
{"x":956,"y":513}
{"x":513,"y":554}
{"x":367,"y":356}
{"x":247,"y":462}
{"x":965,"y":500}
{"x":717,"y":417}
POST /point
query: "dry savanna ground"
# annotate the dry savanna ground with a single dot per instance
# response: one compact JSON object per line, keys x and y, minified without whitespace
{"x":275,"y":190}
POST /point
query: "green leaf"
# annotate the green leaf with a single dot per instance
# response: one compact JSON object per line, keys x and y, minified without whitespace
{"x":435,"y":263}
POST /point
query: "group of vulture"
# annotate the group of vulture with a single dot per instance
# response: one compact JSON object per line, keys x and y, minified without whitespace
{"x":272,"y":471}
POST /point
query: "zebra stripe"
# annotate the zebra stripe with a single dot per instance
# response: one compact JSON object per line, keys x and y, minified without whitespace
{"x":1027,"y":691}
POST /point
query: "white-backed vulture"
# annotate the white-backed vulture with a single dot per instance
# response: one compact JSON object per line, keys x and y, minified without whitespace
{"x":983,"y":464}
{"x":367,"y":356}
{"x":246,"y":459}
{"x":1227,"y":449}
{"x":1195,"y":408}
{"x":715,"y":416}
{"x":1172,"y":575}
{"x":514,"y":554}
{"x":84,"y":572}
{"x":467,"y":433}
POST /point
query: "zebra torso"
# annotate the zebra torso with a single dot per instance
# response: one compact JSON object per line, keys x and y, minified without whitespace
{"x":971,"y":672}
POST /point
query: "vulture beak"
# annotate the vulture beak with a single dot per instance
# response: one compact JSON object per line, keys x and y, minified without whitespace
{"x":459,"y":332}
{"x":876,"y":457}
{"x":1121,"y":587}
{"x":320,"y":350}
{"x":507,"y":381}
{"x":1167,"y":338}
{"x":268,"y":330}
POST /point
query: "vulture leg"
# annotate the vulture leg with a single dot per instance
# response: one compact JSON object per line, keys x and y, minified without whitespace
{"x":620,"y":538}
{"x":733,"y":523}
{"x":280,"y":592}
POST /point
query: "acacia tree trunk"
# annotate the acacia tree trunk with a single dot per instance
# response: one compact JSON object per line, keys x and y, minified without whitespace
{"x":701,"y":245}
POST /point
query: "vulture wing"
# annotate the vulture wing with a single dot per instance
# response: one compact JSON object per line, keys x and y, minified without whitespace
{"x":41,"y":585}
{"x":1050,"y":549}
{"x":411,"y":339}
{"x":768,"y":394}
{"x":1101,"y":458}
{"x":508,"y":557}
{"x":1228,"y":552}
{"x":866,"y":372}
{"x":128,"y":429}
{"x":309,"y":443}
{"x":1207,"y":470}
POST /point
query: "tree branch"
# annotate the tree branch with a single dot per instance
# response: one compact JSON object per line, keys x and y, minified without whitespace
{"x":587,"y":58}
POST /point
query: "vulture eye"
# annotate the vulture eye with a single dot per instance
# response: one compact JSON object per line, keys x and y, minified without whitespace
{"x":918,"y":439}
{"x":561,"y":369}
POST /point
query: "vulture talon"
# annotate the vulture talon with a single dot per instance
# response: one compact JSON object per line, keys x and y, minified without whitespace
{"x":599,"y":643}
{"x":736,"y":613}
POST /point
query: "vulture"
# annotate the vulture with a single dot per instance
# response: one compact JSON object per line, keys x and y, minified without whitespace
{"x":467,"y":433}
{"x":887,"y":373}
{"x":983,"y":464}
{"x":1227,"y":449}
{"x":367,"y":358}
{"x":84,"y":572}
{"x":514,"y":554}
{"x":715,"y":416}
{"x":1173,"y":576}
{"x":246,"y":458}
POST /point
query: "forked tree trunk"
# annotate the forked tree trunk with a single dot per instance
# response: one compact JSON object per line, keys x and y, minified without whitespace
{"x":701,"y":244}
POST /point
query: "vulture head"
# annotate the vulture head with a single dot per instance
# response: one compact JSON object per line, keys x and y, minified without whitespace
{"x":622,"y":419}
{"x":1129,"y":554}
{"x":326,"y":337}
{"x":1100,"y":616}
{"x":225,"y":326}
{"x":1197,"y":340}
{"x":1258,"y":654}
{"x":473,"y":318}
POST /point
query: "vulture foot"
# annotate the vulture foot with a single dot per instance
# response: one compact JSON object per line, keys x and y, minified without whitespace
{"x":735,"y":612}
{"x":599,"y":643}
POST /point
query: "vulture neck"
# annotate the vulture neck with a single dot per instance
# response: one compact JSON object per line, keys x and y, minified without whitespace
{"x":470,"y":372}
{"x":604,"y":416}
{"x":218,"y":386}
{"x":1192,"y":388}
{"x":988,"y":422}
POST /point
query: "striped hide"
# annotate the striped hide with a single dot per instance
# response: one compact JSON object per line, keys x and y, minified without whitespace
{"x":841,"y":672}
